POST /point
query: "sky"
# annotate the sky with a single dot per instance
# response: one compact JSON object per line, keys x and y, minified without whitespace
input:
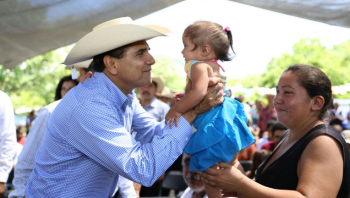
{"x":258,"y":35}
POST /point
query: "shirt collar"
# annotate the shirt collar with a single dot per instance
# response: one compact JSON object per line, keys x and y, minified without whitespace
{"x":112,"y":92}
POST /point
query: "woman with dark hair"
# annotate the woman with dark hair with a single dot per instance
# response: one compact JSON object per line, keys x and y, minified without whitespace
{"x":311,"y":159}
{"x":66,"y":83}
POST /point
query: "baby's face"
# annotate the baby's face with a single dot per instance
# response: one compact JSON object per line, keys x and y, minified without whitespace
{"x":189,"y":52}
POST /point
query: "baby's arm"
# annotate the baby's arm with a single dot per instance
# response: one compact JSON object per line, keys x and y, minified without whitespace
{"x":200,"y":79}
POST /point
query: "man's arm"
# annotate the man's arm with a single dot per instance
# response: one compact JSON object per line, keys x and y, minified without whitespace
{"x":26,"y":160}
{"x":7,"y":140}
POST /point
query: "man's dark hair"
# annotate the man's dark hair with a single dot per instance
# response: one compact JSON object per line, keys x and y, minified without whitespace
{"x":90,"y":68}
{"x":271,"y":122}
{"x":278,"y":126}
{"x":118,"y":53}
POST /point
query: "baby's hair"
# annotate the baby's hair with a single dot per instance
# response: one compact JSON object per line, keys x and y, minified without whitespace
{"x":203,"y":32}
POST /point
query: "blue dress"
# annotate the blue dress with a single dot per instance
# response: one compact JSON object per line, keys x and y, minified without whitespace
{"x":221,"y":133}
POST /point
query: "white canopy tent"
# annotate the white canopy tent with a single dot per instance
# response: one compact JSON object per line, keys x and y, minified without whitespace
{"x":32,"y":27}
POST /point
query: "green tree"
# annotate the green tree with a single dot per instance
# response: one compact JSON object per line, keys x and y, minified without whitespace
{"x":335,"y":62}
{"x":33,"y":82}
{"x":166,"y":68}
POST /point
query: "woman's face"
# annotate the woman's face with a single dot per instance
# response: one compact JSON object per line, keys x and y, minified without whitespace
{"x":292,"y":103}
{"x":67,"y":85}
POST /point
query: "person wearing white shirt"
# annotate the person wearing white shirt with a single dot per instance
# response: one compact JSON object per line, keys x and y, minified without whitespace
{"x":7,"y":139}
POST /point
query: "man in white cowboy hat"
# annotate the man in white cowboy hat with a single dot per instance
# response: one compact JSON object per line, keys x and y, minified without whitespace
{"x":99,"y":130}
{"x":150,"y":103}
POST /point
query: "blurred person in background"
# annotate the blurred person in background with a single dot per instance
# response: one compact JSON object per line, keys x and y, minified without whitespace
{"x":150,"y":103}
{"x":193,"y":179}
{"x":258,"y":158}
{"x":66,"y":83}
{"x":267,"y":135}
{"x":21,"y":139}
{"x":277,"y":131}
{"x":7,"y":139}
{"x":267,"y":114}
{"x":166,"y":96}
{"x":30,"y":118}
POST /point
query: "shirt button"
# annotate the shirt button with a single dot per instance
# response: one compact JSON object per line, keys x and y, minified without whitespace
{"x":187,"y":139}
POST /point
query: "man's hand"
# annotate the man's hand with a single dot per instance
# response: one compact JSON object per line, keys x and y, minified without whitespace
{"x":211,"y":99}
{"x":172,"y":115}
{"x":2,"y":188}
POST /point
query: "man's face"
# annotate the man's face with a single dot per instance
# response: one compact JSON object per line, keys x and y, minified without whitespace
{"x":277,"y":136}
{"x":192,"y":179}
{"x":134,"y":69}
{"x":147,"y":92}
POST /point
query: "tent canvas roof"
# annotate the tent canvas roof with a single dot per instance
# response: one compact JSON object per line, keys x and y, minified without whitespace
{"x":32,"y":27}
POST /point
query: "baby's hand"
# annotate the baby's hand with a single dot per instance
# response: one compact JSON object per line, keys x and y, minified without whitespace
{"x":172,"y":115}
{"x":178,"y":96}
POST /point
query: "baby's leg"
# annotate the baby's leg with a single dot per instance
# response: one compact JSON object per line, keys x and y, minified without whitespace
{"x":212,"y":192}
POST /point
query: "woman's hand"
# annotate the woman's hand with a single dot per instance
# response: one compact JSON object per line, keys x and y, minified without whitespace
{"x":227,"y":177}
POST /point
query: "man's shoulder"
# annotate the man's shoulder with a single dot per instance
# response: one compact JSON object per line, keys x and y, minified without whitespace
{"x":160,"y":104}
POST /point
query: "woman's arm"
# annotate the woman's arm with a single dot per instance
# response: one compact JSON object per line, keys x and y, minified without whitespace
{"x":320,"y":174}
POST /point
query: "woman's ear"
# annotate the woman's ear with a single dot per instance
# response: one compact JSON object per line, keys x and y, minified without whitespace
{"x":111,"y":64}
{"x":317,"y":103}
{"x":206,"y":49}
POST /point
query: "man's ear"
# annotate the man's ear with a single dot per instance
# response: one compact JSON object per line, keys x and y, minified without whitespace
{"x":111,"y":64}
{"x":206,"y":49}
{"x":317,"y":103}
{"x":88,"y":74}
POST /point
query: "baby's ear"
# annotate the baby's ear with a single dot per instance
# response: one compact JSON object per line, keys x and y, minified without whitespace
{"x":206,"y":49}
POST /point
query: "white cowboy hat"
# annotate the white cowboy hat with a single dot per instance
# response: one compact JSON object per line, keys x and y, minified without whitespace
{"x":111,"y":35}
{"x":84,"y":64}
{"x":160,"y":83}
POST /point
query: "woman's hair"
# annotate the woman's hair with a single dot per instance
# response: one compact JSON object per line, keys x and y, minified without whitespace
{"x":60,"y":84}
{"x":99,"y":65}
{"x":315,"y":82}
{"x":206,"y":32}
{"x":258,"y":158}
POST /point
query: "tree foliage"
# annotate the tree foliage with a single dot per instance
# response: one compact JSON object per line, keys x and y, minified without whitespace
{"x":334,"y":62}
{"x":166,"y":68}
{"x":33,"y":82}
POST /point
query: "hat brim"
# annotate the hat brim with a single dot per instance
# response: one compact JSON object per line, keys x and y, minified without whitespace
{"x":111,"y":37}
{"x":160,"y":83}
{"x":84,"y":64}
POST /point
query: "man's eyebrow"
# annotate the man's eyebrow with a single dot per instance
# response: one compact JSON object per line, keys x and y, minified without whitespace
{"x":287,"y":86}
{"x":143,"y":49}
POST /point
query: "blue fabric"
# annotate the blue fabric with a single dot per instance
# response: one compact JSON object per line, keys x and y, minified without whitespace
{"x":221,"y":133}
{"x":97,"y":133}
